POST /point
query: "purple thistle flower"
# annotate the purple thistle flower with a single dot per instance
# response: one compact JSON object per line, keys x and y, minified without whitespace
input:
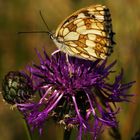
{"x":76,"y":93}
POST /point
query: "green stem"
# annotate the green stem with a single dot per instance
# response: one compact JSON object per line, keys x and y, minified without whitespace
{"x":115,"y":133}
{"x":28,"y":131}
{"x":67,"y":134}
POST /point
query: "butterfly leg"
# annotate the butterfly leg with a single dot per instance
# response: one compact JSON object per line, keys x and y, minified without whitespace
{"x":70,"y":69}
{"x":67,"y":58}
{"x":55,"y":52}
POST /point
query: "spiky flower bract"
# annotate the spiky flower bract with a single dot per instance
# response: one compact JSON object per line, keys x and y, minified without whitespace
{"x":77,"y":93}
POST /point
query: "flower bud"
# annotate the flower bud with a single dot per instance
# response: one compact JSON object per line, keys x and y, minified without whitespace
{"x":17,"y":87}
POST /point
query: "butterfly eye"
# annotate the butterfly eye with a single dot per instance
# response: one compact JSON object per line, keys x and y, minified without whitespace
{"x":51,"y":36}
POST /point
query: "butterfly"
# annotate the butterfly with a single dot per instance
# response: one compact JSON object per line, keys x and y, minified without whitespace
{"x":86,"y":34}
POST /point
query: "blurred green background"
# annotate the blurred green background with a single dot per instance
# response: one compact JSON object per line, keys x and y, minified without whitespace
{"x":16,"y":51}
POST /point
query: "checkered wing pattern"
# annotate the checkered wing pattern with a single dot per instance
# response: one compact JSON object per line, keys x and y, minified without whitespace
{"x":87,"y":33}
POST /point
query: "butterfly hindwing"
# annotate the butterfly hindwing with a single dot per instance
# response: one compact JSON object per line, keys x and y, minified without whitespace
{"x":87,"y":33}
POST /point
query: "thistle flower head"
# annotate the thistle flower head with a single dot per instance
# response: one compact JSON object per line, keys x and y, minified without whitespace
{"x":16,"y":87}
{"x":74,"y":91}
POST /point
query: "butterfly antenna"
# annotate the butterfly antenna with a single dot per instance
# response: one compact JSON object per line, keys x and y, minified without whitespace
{"x":49,"y":31}
{"x":46,"y":32}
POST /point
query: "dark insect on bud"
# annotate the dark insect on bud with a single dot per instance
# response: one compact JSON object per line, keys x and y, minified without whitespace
{"x":17,"y":87}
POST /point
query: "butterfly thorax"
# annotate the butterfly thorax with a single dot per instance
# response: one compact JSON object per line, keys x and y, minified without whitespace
{"x":59,"y":42}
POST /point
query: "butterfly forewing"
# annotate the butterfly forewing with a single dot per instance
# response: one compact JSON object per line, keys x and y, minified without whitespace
{"x":87,"y":33}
